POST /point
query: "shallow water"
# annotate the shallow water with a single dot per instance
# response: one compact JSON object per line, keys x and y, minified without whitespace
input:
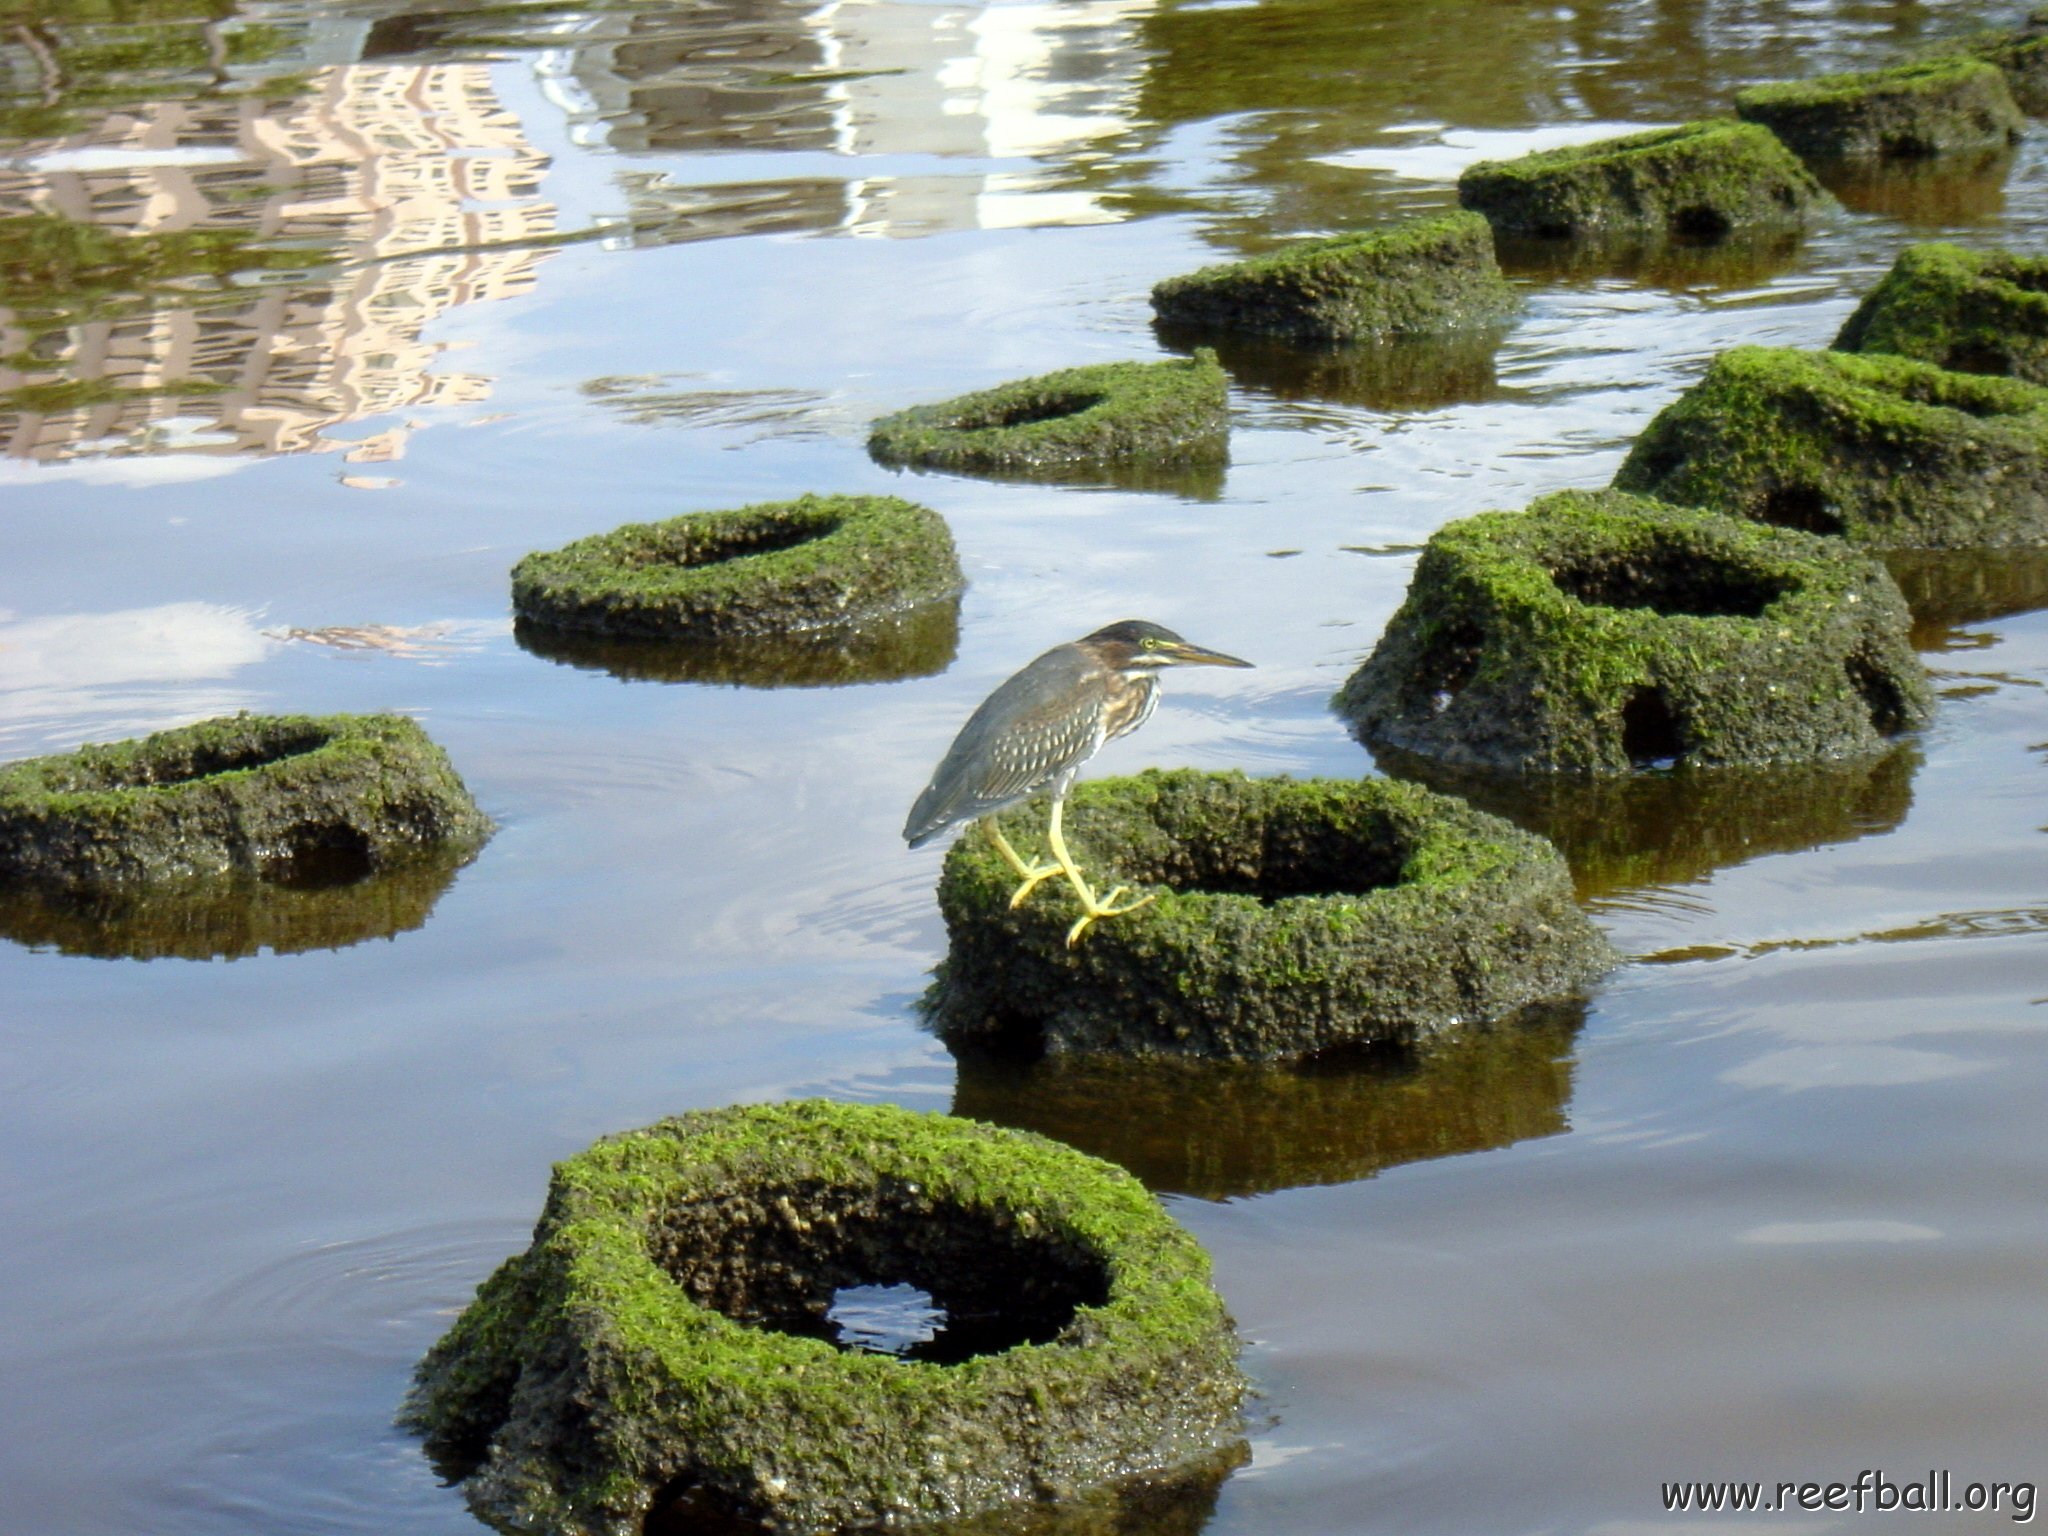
{"x":1769,"y":1206}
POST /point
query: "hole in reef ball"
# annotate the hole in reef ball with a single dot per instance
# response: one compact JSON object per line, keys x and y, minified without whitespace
{"x":1700,"y":223}
{"x":316,"y":857}
{"x":886,"y":1319}
{"x":204,"y":761}
{"x":1978,"y":357}
{"x":850,"y":1266}
{"x":1651,"y":733}
{"x":1889,"y":714}
{"x":1024,"y":412}
{"x":1669,"y":582}
{"x":761,"y":538}
{"x":1799,"y":507}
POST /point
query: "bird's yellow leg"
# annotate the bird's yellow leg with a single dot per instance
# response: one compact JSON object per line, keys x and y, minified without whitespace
{"x":1034,"y":873}
{"x":1091,"y":908}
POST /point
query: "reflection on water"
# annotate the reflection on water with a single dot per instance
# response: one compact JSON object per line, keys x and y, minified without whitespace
{"x":230,"y":919}
{"x":1218,"y":1132}
{"x":1948,"y":590}
{"x":1678,"y":266}
{"x":1622,"y":832}
{"x":1418,"y":374}
{"x":921,"y":643}
{"x":1932,"y":194}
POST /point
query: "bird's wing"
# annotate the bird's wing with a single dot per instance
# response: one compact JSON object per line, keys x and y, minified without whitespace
{"x":1041,"y":723}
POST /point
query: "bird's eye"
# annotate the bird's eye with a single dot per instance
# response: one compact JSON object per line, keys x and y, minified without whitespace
{"x":1151,"y":643}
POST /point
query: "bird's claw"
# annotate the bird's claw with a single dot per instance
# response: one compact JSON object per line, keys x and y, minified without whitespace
{"x":1034,"y":875}
{"x":1106,"y":907}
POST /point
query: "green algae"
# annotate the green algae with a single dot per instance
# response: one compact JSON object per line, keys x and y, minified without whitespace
{"x":1221,"y":1131}
{"x":2021,"y":55}
{"x":775,"y":568}
{"x":1931,"y":107}
{"x":286,"y":798}
{"x":1598,"y":633}
{"x":1887,"y":451}
{"x":1970,"y":311}
{"x":1289,"y":917}
{"x":1424,"y":277}
{"x":1100,"y":414}
{"x":659,"y":1334}
{"x":1701,"y":181}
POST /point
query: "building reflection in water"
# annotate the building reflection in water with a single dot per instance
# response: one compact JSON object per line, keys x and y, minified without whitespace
{"x":408,"y":190}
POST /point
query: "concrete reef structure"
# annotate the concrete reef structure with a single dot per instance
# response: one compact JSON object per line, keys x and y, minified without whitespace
{"x":667,"y":1333}
{"x":1702,"y":181}
{"x":775,"y":568}
{"x":1933,"y":107}
{"x":1420,"y":278}
{"x":2022,"y":56}
{"x":1103,"y":413}
{"x":1290,"y":917}
{"x":1886,"y":451}
{"x":1971,"y":311}
{"x":1598,"y":633}
{"x":296,"y":799}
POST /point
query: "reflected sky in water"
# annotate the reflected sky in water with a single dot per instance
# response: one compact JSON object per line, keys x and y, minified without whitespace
{"x":317,"y":316}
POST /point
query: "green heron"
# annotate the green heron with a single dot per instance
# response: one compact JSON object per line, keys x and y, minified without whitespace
{"x":1033,"y":734}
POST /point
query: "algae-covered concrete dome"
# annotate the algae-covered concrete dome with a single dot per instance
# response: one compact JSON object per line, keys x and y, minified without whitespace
{"x":1598,"y":632}
{"x":1971,"y":311}
{"x":1423,"y":277}
{"x":302,"y":799}
{"x":1289,"y":917}
{"x":1932,"y":107}
{"x":1702,"y":180}
{"x":775,"y":568}
{"x":1092,"y":416}
{"x":666,"y":1336}
{"x":1886,"y":451}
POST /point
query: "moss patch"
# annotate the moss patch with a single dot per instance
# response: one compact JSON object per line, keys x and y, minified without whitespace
{"x":1291,"y":917}
{"x":1601,"y":633}
{"x":1886,"y":451}
{"x":776,"y":568}
{"x":667,"y":1331}
{"x":1702,"y":181}
{"x":1971,"y":311}
{"x":291,"y":799}
{"x":920,"y":643}
{"x":1933,"y":107}
{"x":1421,"y":278}
{"x":1103,"y":413}
{"x":2021,"y":55}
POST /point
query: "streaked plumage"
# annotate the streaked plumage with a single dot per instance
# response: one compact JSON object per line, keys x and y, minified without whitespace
{"x":1032,"y":735}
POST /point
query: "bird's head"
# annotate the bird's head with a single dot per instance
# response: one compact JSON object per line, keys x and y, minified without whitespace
{"x":1136,"y":645}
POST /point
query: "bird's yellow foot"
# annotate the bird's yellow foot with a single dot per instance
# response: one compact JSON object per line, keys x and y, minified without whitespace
{"x":1106,"y":907}
{"x":1034,"y":873}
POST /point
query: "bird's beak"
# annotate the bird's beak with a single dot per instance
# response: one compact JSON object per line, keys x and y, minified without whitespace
{"x":1187,"y":655}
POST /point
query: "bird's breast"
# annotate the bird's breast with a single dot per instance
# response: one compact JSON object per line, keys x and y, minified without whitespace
{"x":1130,"y":706}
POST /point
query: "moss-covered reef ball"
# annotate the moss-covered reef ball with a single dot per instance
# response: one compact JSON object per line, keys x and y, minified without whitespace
{"x":2022,"y":56}
{"x":298,"y":799}
{"x":1599,"y":633}
{"x":775,"y":568}
{"x":1934,"y":107}
{"x":669,"y":1331}
{"x":1972,"y":311}
{"x":1887,"y":451}
{"x":1289,"y":917}
{"x":1104,"y":413}
{"x":1700,"y":181}
{"x":1421,"y":278}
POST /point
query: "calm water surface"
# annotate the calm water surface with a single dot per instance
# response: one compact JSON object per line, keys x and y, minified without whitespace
{"x":320,"y":315}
